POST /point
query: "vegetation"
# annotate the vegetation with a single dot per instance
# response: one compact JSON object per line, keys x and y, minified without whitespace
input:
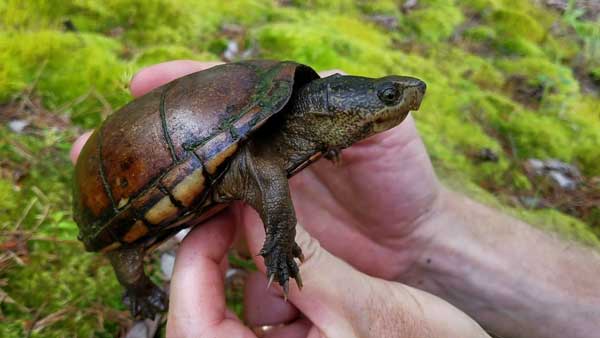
{"x":513,"y":78}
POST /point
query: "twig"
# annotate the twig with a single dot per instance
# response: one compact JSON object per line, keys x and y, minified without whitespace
{"x":25,"y":212}
{"x":21,"y":150}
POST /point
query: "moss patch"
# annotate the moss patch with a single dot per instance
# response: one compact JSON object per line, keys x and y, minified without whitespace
{"x":503,"y":76}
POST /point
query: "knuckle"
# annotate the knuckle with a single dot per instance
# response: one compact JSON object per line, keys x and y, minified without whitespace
{"x":311,"y":248}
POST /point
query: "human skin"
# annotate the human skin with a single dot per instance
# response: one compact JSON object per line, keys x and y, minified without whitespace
{"x":384,"y":212}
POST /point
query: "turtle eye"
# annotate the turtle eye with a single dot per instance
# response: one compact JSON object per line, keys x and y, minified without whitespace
{"x":389,"y":95}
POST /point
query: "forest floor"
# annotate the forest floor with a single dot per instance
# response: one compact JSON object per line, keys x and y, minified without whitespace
{"x":511,"y":116}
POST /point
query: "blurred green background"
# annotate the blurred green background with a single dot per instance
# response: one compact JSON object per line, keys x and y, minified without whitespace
{"x":508,"y":81}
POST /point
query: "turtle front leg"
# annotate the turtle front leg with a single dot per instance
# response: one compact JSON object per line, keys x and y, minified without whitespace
{"x":263,"y":184}
{"x":144,"y":298}
{"x":273,"y":202}
{"x":275,"y":207}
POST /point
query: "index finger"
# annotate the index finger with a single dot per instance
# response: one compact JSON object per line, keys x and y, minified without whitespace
{"x":197,"y":297}
{"x":159,"y":74}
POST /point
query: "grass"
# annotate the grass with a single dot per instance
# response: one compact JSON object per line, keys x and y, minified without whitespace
{"x":522,"y":93}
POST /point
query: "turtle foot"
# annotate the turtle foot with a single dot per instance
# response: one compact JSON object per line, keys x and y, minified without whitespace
{"x":281,"y":265}
{"x":146,"y":302}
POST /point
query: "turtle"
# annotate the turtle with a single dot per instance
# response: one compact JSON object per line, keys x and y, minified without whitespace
{"x":181,"y":153}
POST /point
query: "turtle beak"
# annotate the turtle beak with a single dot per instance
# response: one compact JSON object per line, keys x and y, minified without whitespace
{"x":414,"y":93}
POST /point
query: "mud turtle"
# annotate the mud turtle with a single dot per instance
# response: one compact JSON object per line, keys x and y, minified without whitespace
{"x":177,"y":155}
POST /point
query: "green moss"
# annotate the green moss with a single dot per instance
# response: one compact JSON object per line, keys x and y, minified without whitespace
{"x":515,"y":24}
{"x":561,"y":89}
{"x":8,"y":206}
{"x":461,"y":67}
{"x":588,"y":33}
{"x":566,"y":226}
{"x":480,"y":33}
{"x":70,"y":275}
{"x":518,"y":47}
{"x":341,"y":42}
{"x":64,"y":67}
{"x":550,"y":138}
{"x":529,"y":134}
{"x":385,"y":7}
{"x":585,"y":121}
{"x":595,"y":74}
{"x":470,"y":105}
{"x":563,"y":48}
{"x":338,"y":6}
{"x":435,"y":22}
{"x":481,"y":6}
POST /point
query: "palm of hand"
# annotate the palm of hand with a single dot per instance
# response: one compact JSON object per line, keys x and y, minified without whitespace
{"x":366,"y":210}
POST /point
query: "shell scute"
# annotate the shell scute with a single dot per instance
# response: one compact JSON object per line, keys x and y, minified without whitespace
{"x":134,"y":149}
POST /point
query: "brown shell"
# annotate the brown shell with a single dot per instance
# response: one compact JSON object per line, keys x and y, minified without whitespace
{"x":150,"y":166}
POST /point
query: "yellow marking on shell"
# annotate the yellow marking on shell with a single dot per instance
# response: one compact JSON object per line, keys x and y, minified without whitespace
{"x":161,"y":211}
{"x":315,"y":157}
{"x":110,"y":247}
{"x":189,"y":188}
{"x":123,"y":202}
{"x":212,"y":164}
{"x":138,"y":230}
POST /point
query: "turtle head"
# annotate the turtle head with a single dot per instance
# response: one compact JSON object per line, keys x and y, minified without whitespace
{"x":340,"y":110}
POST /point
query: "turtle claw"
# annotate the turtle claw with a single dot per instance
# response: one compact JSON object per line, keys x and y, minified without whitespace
{"x":297,"y":252}
{"x":281,"y":266}
{"x":286,"y":290}
{"x":299,"y":281}
{"x":147,"y":302}
{"x":270,"y":281}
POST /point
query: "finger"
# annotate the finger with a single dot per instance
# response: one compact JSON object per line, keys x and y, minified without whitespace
{"x":224,"y":265}
{"x":264,"y":306}
{"x":78,"y":145}
{"x":297,"y":329}
{"x":157,"y":75}
{"x":197,"y":298}
{"x":326,"y":73}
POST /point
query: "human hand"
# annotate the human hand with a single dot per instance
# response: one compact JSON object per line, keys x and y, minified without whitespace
{"x":337,"y":301}
{"x":364,"y":306}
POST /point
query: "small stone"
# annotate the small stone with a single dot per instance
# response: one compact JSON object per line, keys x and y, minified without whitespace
{"x":232,"y":50}
{"x":566,"y":176}
{"x":564,"y":168}
{"x":534,"y":166}
{"x":409,"y":5}
{"x":388,"y":22}
{"x":143,"y":328}
{"x":532,"y":202}
{"x":234,"y":278}
{"x":232,"y":29}
{"x":167,"y":263}
{"x":182,"y":233}
{"x":563,"y":181}
{"x":18,"y":125}
{"x":487,"y":155}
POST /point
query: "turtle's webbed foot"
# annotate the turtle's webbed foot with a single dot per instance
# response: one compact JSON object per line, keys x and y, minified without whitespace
{"x":281,"y":266}
{"x":146,"y":302}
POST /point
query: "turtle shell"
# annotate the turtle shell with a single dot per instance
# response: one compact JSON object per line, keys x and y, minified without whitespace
{"x":148,"y":170}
